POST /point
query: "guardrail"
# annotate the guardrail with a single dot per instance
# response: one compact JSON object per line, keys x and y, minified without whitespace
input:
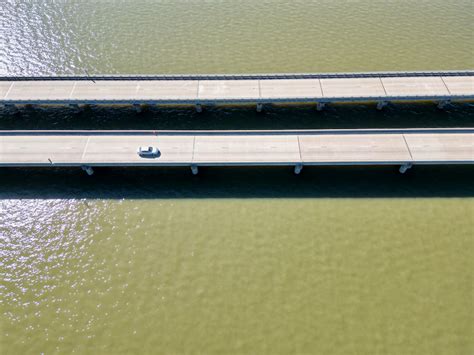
{"x":270,"y":76}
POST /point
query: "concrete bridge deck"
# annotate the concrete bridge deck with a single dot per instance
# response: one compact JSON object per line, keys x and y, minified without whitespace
{"x":231,"y":89}
{"x":89,"y":149}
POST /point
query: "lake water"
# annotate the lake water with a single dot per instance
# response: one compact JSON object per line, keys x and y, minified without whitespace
{"x":240,"y":261}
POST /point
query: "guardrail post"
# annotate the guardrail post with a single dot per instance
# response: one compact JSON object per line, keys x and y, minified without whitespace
{"x":298,"y":168}
{"x":403,"y":169}
{"x":88,"y":169}
{"x":194,"y":169}
{"x":198,"y":108}
{"x":259,"y":107}
{"x":320,"y":106}
{"x":442,"y":104}
{"x":381,"y":105}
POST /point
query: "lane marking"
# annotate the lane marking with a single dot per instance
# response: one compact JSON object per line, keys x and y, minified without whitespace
{"x":8,"y":91}
{"x":321,"y":87}
{"x":198,"y":86}
{"x":383,"y":86}
{"x":194,"y":144}
{"x":446,"y":86}
{"x":299,"y":149}
{"x":72,"y":90}
{"x":408,"y":147}
{"x":85,"y":148}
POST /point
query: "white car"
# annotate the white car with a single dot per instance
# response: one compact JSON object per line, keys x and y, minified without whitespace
{"x":148,"y":152}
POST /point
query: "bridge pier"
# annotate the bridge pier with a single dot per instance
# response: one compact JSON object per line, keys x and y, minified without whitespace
{"x":442,"y":104}
{"x":320,"y":106}
{"x":88,"y":169}
{"x":403,"y":169}
{"x":259,"y":107}
{"x":12,"y":107}
{"x":194,"y":169}
{"x":298,"y":168}
{"x":75,"y":107}
{"x":381,"y":105}
{"x":138,"y":108}
{"x":198,"y":108}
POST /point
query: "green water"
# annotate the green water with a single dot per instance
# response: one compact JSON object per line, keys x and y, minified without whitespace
{"x":240,"y":261}
{"x":232,"y":36}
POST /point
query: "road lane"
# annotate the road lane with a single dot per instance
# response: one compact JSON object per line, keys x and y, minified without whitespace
{"x":261,"y":89}
{"x":349,"y":147}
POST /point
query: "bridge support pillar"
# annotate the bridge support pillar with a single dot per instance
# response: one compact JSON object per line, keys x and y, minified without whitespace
{"x":88,"y":169}
{"x":403,"y":169}
{"x":320,"y":106}
{"x":259,"y":107}
{"x":194,"y":169}
{"x":12,"y":107}
{"x":381,"y":105}
{"x":138,"y":108}
{"x":298,"y":168}
{"x":198,"y":108}
{"x":442,"y":104}
{"x":75,"y":107}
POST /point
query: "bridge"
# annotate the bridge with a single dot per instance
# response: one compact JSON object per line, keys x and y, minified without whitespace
{"x":89,"y":149}
{"x":441,"y":87}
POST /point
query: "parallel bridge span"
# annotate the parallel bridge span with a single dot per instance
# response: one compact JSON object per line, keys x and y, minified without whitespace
{"x":89,"y":149}
{"x":382,"y":87}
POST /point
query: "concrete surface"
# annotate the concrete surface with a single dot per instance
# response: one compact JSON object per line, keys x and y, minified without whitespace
{"x":429,"y":86}
{"x":290,"y":88}
{"x":246,"y":149}
{"x":37,"y":149}
{"x":167,"y":90}
{"x":357,"y":87}
{"x":434,"y":146}
{"x":104,"y":90}
{"x":229,"y":91}
{"x":459,"y":85}
{"x":354,"y":148}
{"x":123,"y":149}
{"x":42,"y":90}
